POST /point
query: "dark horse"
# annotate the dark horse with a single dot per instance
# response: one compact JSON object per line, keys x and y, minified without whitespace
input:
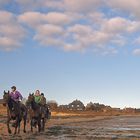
{"x":15,"y":111}
{"x":37,"y":114}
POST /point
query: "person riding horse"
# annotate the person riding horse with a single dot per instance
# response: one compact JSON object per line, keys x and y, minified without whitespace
{"x":37,"y":97}
{"x":37,"y":113}
{"x":15,"y":95}
{"x":14,"y":112}
{"x":41,"y":100}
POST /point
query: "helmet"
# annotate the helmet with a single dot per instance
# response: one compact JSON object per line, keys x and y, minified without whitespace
{"x":13,"y":87}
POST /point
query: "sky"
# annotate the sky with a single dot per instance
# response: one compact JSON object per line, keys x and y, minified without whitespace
{"x":72,"y":49}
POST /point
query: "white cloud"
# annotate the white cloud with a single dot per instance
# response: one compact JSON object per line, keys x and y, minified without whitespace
{"x":96,"y":18}
{"x":120,"y":25}
{"x":80,"y":29}
{"x":34,"y":19}
{"x":6,"y":17}
{"x":136,"y":52}
{"x":54,"y":4}
{"x":14,"y":31}
{"x":8,"y":44}
{"x":50,"y":35}
{"x":74,"y":25}
{"x":131,"y":6}
{"x":115,"y":25}
{"x":11,"y":32}
{"x":50,"y":30}
{"x":50,"y":42}
{"x":82,"y":5}
{"x":74,"y":47}
{"x":65,"y":5}
{"x":85,"y":37}
{"x":32,"y":5}
{"x":58,"y":18}
{"x":29,"y":5}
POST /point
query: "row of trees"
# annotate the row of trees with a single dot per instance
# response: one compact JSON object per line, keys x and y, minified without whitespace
{"x":78,"y":105}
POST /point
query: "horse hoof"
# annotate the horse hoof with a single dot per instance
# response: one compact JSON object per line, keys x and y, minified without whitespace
{"x":24,"y":131}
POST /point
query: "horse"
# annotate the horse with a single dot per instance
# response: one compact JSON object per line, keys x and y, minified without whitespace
{"x":15,"y":111}
{"x":37,"y":114}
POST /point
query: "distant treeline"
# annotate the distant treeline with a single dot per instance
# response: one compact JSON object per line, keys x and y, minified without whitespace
{"x":77,"y":105}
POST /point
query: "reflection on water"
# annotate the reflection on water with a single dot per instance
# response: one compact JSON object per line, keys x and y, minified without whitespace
{"x":120,"y":128}
{"x":124,"y":129}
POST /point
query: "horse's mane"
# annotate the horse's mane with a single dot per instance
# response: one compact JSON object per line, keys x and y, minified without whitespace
{"x":34,"y":105}
{"x":12,"y":104}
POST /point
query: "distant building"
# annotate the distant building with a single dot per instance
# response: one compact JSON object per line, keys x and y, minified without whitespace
{"x":107,"y":109}
{"x":116,"y":109}
{"x":64,"y":107}
{"x":129,"y":110}
{"x":96,"y":107}
{"x":90,"y":106}
{"x":137,"y":110}
{"x":53,"y":105}
{"x":76,"y":105}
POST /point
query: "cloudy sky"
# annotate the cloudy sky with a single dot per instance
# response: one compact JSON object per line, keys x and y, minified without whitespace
{"x":84,"y":49}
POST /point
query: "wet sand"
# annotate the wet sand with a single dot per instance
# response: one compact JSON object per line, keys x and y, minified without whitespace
{"x":81,"y":128}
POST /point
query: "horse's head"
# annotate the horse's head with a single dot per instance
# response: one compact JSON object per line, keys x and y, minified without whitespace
{"x":6,"y":96}
{"x":31,"y":98}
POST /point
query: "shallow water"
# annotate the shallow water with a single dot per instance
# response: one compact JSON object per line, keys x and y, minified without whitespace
{"x":71,"y":129}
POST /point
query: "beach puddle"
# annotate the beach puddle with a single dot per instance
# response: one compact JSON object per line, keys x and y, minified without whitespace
{"x":119,"y":128}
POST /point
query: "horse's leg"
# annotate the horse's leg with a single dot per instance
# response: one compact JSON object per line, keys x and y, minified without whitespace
{"x":31,"y":123}
{"x":39,"y":124}
{"x":43,"y":124}
{"x":18,"y":128}
{"x":19,"y":121}
{"x":24,"y":119}
{"x":28,"y":118}
{"x":16,"y":125}
{"x":8,"y":121}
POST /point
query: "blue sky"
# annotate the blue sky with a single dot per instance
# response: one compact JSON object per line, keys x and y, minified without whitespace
{"x":87,"y":50}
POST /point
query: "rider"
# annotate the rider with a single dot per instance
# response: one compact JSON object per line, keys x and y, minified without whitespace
{"x":37,"y":96}
{"x":44,"y":105}
{"x":43,"y":99}
{"x":15,"y":95}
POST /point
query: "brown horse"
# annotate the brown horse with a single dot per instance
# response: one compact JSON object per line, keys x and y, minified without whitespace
{"x":15,"y":111}
{"x":37,"y":114}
